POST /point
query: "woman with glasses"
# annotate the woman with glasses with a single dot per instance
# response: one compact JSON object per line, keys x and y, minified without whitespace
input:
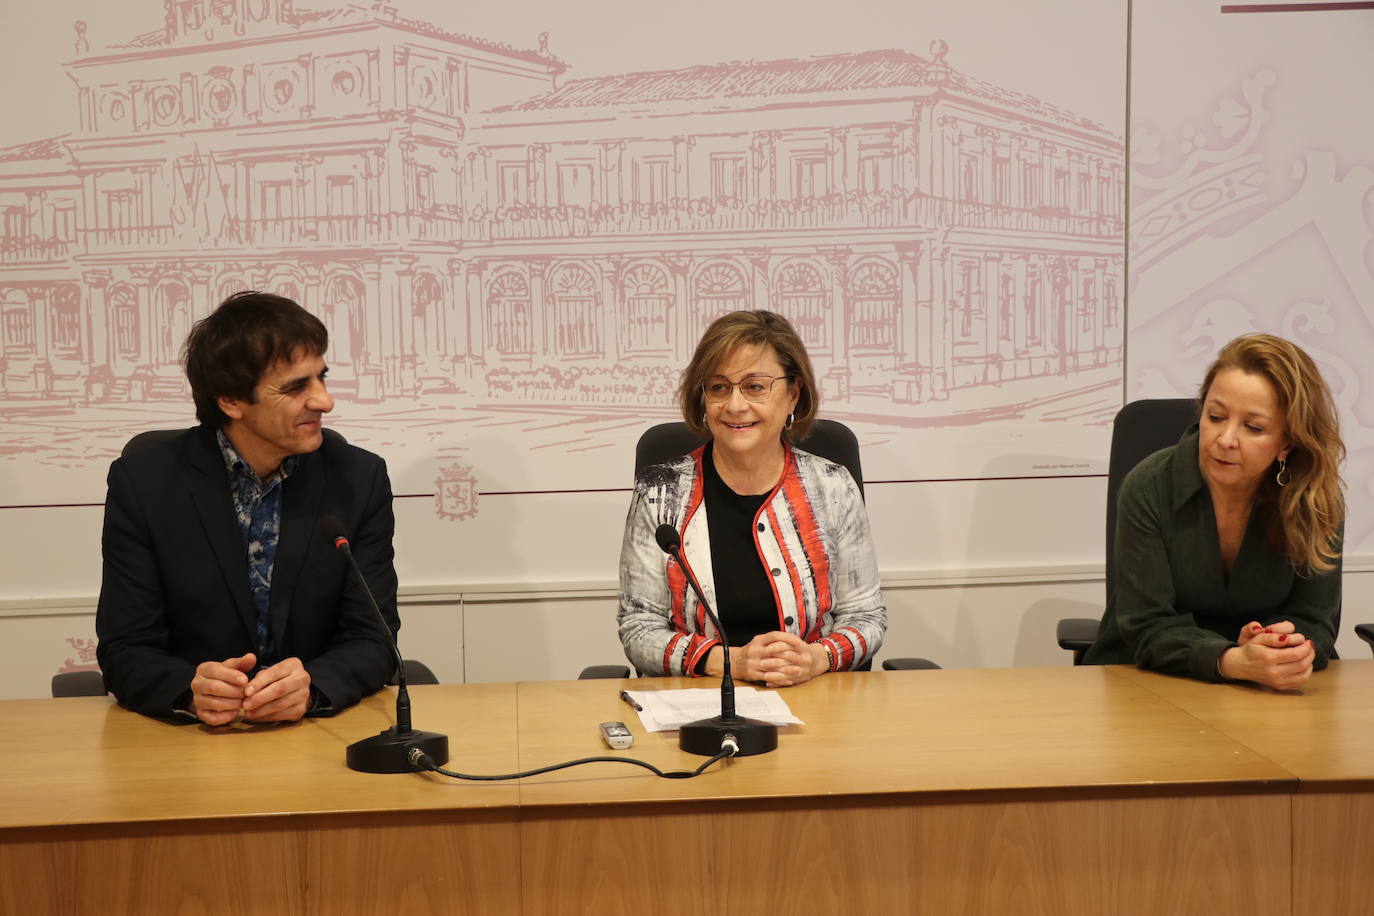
{"x":777,"y":537}
{"x":1228,"y":544}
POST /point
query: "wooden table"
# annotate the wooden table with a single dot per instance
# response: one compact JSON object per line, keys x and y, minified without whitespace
{"x":1324,"y":735}
{"x":1064,"y":790}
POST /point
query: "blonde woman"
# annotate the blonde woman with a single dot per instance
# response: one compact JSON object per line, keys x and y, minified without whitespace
{"x":1228,"y":544}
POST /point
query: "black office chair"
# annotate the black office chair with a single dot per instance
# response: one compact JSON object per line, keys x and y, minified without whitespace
{"x":1366,"y":632}
{"x":829,"y":439}
{"x":1141,"y":428}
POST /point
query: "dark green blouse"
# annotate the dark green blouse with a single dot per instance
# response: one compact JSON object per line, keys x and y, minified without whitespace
{"x":1173,"y":607}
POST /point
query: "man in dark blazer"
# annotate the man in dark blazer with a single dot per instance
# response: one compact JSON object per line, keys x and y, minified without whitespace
{"x":220,"y":598}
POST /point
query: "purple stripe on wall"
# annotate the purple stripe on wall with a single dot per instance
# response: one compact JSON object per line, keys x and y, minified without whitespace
{"x":1296,"y":7}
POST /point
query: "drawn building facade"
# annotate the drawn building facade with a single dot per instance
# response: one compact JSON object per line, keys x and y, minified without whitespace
{"x":464,"y":220}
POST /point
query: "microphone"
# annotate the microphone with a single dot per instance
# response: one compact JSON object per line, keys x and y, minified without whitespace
{"x":389,"y":751}
{"x":709,"y":736}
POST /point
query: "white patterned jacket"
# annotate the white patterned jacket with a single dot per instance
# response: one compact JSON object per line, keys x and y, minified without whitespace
{"x":811,"y":534}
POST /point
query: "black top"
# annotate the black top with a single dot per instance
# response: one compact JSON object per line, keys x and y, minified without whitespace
{"x":745,"y":601}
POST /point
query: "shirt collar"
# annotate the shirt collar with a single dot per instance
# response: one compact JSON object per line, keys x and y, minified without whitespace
{"x":238,"y":467}
{"x":1187,"y":473}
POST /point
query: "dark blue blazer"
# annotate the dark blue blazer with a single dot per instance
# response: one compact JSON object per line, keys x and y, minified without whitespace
{"x":174,"y":586}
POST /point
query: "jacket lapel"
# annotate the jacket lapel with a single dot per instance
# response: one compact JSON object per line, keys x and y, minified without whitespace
{"x":209,"y":485}
{"x":300,"y":507}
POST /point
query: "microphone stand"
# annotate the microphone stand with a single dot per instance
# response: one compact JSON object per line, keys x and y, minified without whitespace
{"x":707,"y":737}
{"x":390,"y":751}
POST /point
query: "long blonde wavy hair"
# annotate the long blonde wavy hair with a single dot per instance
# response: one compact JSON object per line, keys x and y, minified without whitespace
{"x":1310,"y":507}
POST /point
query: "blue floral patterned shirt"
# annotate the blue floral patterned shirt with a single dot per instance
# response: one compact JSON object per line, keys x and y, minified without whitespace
{"x":257,"y":506}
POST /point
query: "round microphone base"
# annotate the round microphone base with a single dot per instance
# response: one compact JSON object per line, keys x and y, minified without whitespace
{"x":389,"y":752}
{"x":704,"y":736}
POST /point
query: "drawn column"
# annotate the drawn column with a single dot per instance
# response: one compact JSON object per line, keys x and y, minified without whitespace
{"x":912,"y":384}
{"x":539,"y":316}
{"x":938,"y":281}
{"x":95,"y":323}
{"x":474,"y":319}
{"x":992,"y":315}
{"x":455,"y":307}
{"x":680,"y":311}
{"x":1019,"y":296}
{"x":612,"y":307}
{"x":395,"y":343}
{"x":837,"y":378}
{"x":41,"y":302}
{"x":758,"y":284}
{"x":371,"y":378}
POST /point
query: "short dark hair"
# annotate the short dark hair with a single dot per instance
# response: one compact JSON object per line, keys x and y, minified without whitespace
{"x":752,"y":328}
{"x":229,"y":350}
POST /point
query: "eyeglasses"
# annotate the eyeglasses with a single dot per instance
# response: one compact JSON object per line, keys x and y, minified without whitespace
{"x":755,"y":388}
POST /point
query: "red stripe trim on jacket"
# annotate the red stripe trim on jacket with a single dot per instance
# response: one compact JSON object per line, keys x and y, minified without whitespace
{"x":809,"y":534}
{"x":668,"y":651}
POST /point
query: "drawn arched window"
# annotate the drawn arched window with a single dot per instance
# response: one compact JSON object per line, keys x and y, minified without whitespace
{"x":173,"y":303}
{"x":17,"y":317}
{"x":648,"y":297}
{"x":873,"y":295}
{"x":508,"y":313}
{"x":800,"y":297}
{"x":1034,"y":292}
{"x":64,"y":325}
{"x":426,"y":306}
{"x":124,"y":315}
{"x":345,"y":318}
{"x":717,"y":290}
{"x":577,"y":312}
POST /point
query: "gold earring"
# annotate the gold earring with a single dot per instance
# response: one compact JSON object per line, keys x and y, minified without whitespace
{"x":1283,"y":476}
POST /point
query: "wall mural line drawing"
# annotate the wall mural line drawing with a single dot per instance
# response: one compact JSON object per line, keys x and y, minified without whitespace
{"x":499,"y":249}
{"x":1261,"y":220}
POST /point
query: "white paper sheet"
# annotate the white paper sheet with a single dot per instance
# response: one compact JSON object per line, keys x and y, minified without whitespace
{"x":667,"y":710}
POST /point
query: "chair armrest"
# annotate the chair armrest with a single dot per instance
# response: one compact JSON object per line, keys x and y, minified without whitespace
{"x":909,"y":664}
{"x":1366,"y":632}
{"x":1076,"y":633}
{"x":418,"y":673}
{"x":604,"y":672}
{"x":78,"y":684}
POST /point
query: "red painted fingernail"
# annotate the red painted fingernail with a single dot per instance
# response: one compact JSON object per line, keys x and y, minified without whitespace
{"x":1268,"y":630}
{"x":1283,"y":637}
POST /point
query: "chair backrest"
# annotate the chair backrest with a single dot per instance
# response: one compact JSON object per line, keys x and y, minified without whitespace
{"x":829,"y":439}
{"x":1141,"y":428}
{"x":154,"y":436}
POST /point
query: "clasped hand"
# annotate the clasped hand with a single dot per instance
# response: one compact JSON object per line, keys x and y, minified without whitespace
{"x":220,"y":690}
{"x":779,"y":659}
{"x":1276,"y":656}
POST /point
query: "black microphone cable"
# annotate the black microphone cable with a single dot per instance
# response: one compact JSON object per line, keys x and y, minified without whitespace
{"x":422,"y":763}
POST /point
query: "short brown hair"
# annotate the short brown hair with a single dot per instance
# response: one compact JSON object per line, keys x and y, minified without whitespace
{"x":230,"y":349}
{"x":755,"y":328}
{"x":1310,"y":508}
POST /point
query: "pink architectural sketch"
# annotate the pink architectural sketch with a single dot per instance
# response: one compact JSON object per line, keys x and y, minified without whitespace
{"x":472,"y":225}
{"x":1232,"y":234}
